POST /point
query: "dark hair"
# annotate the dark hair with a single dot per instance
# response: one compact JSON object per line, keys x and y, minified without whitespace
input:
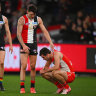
{"x":32,"y":7}
{"x":44,"y":51}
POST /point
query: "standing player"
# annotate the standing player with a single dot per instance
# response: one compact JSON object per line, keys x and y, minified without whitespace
{"x":61,"y":73}
{"x":3,"y":27}
{"x":26,"y":33}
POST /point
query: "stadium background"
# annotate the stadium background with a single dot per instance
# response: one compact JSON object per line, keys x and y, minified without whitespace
{"x":82,"y":51}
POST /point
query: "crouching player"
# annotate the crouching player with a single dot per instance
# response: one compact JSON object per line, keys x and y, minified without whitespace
{"x":61,"y":73}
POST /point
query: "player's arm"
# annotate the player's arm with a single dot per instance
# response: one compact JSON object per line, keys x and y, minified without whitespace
{"x":19,"y":31}
{"x":57,"y":63}
{"x":8,"y":33}
{"x":46,"y":34}
{"x":46,"y":67}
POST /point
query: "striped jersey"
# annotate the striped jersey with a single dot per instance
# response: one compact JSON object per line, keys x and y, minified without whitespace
{"x":29,"y":30}
{"x":2,"y":31}
{"x":65,"y":63}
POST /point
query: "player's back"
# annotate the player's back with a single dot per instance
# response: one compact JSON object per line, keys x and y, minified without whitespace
{"x":65,"y":63}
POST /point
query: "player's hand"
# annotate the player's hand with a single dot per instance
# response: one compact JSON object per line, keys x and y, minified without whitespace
{"x":52,"y":46}
{"x":26,"y":49}
{"x":10,"y":49}
{"x":45,"y":70}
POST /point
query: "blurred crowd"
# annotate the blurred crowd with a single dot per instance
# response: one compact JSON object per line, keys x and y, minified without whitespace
{"x":79,"y":30}
{"x":75,"y":18}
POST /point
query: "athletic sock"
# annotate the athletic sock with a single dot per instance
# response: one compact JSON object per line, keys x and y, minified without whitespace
{"x":59,"y":85}
{"x":32,"y":84}
{"x":1,"y":80}
{"x":22,"y":84}
{"x":66,"y":86}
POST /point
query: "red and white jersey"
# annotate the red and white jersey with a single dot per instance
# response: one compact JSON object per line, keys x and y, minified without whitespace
{"x":65,"y":64}
{"x":29,"y":30}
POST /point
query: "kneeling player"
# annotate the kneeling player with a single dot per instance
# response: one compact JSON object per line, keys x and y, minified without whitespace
{"x":61,"y":73}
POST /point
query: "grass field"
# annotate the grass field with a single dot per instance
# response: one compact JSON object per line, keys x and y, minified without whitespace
{"x":82,"y":86}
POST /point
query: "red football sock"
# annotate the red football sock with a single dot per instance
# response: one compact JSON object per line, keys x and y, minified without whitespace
{"x":32,"y":83}
{"x":22,"y":84}
{"x":66,"y":86}
{"x":59,"y":85}
{"x":1,"y":80}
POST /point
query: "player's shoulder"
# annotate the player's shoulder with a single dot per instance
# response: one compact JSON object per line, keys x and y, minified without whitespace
{"x":39,"y":19}
{"x":21,"y":19}
{"x":4,"y":18}
{"x":56,"y":53}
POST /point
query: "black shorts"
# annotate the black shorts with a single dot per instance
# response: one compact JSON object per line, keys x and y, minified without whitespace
{"x":32,"y":50}
{"x":2,"y":48}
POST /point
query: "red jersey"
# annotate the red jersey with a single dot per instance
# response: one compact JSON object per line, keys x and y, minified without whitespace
{"x":65,"y":64}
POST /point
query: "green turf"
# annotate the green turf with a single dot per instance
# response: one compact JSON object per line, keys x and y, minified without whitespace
{"x":82,"y":86}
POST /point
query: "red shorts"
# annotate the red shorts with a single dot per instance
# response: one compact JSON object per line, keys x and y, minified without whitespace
{"x":71,"y":77}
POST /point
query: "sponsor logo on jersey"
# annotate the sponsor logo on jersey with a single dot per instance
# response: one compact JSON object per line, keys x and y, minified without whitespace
{"x":1,"y":22}
{"x":27,"y":23}
{"x":34,"y":24}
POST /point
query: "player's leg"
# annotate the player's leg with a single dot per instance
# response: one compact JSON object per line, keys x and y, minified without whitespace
{"x":48,"y":76}
{"x":71,"y":77}
{"x":2,"y":57}
{"x":33,"y":59}
{"x":24,"y":58}
{"x":62,"y":77}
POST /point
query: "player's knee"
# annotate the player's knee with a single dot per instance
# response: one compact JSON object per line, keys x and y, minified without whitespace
{"x":45,"y":76}
{"x":42,"y":75}
{"x":32,"y":67}
{"x":23,"y":67}
{"x":54,"y":73}
{"x":1,"y":63}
